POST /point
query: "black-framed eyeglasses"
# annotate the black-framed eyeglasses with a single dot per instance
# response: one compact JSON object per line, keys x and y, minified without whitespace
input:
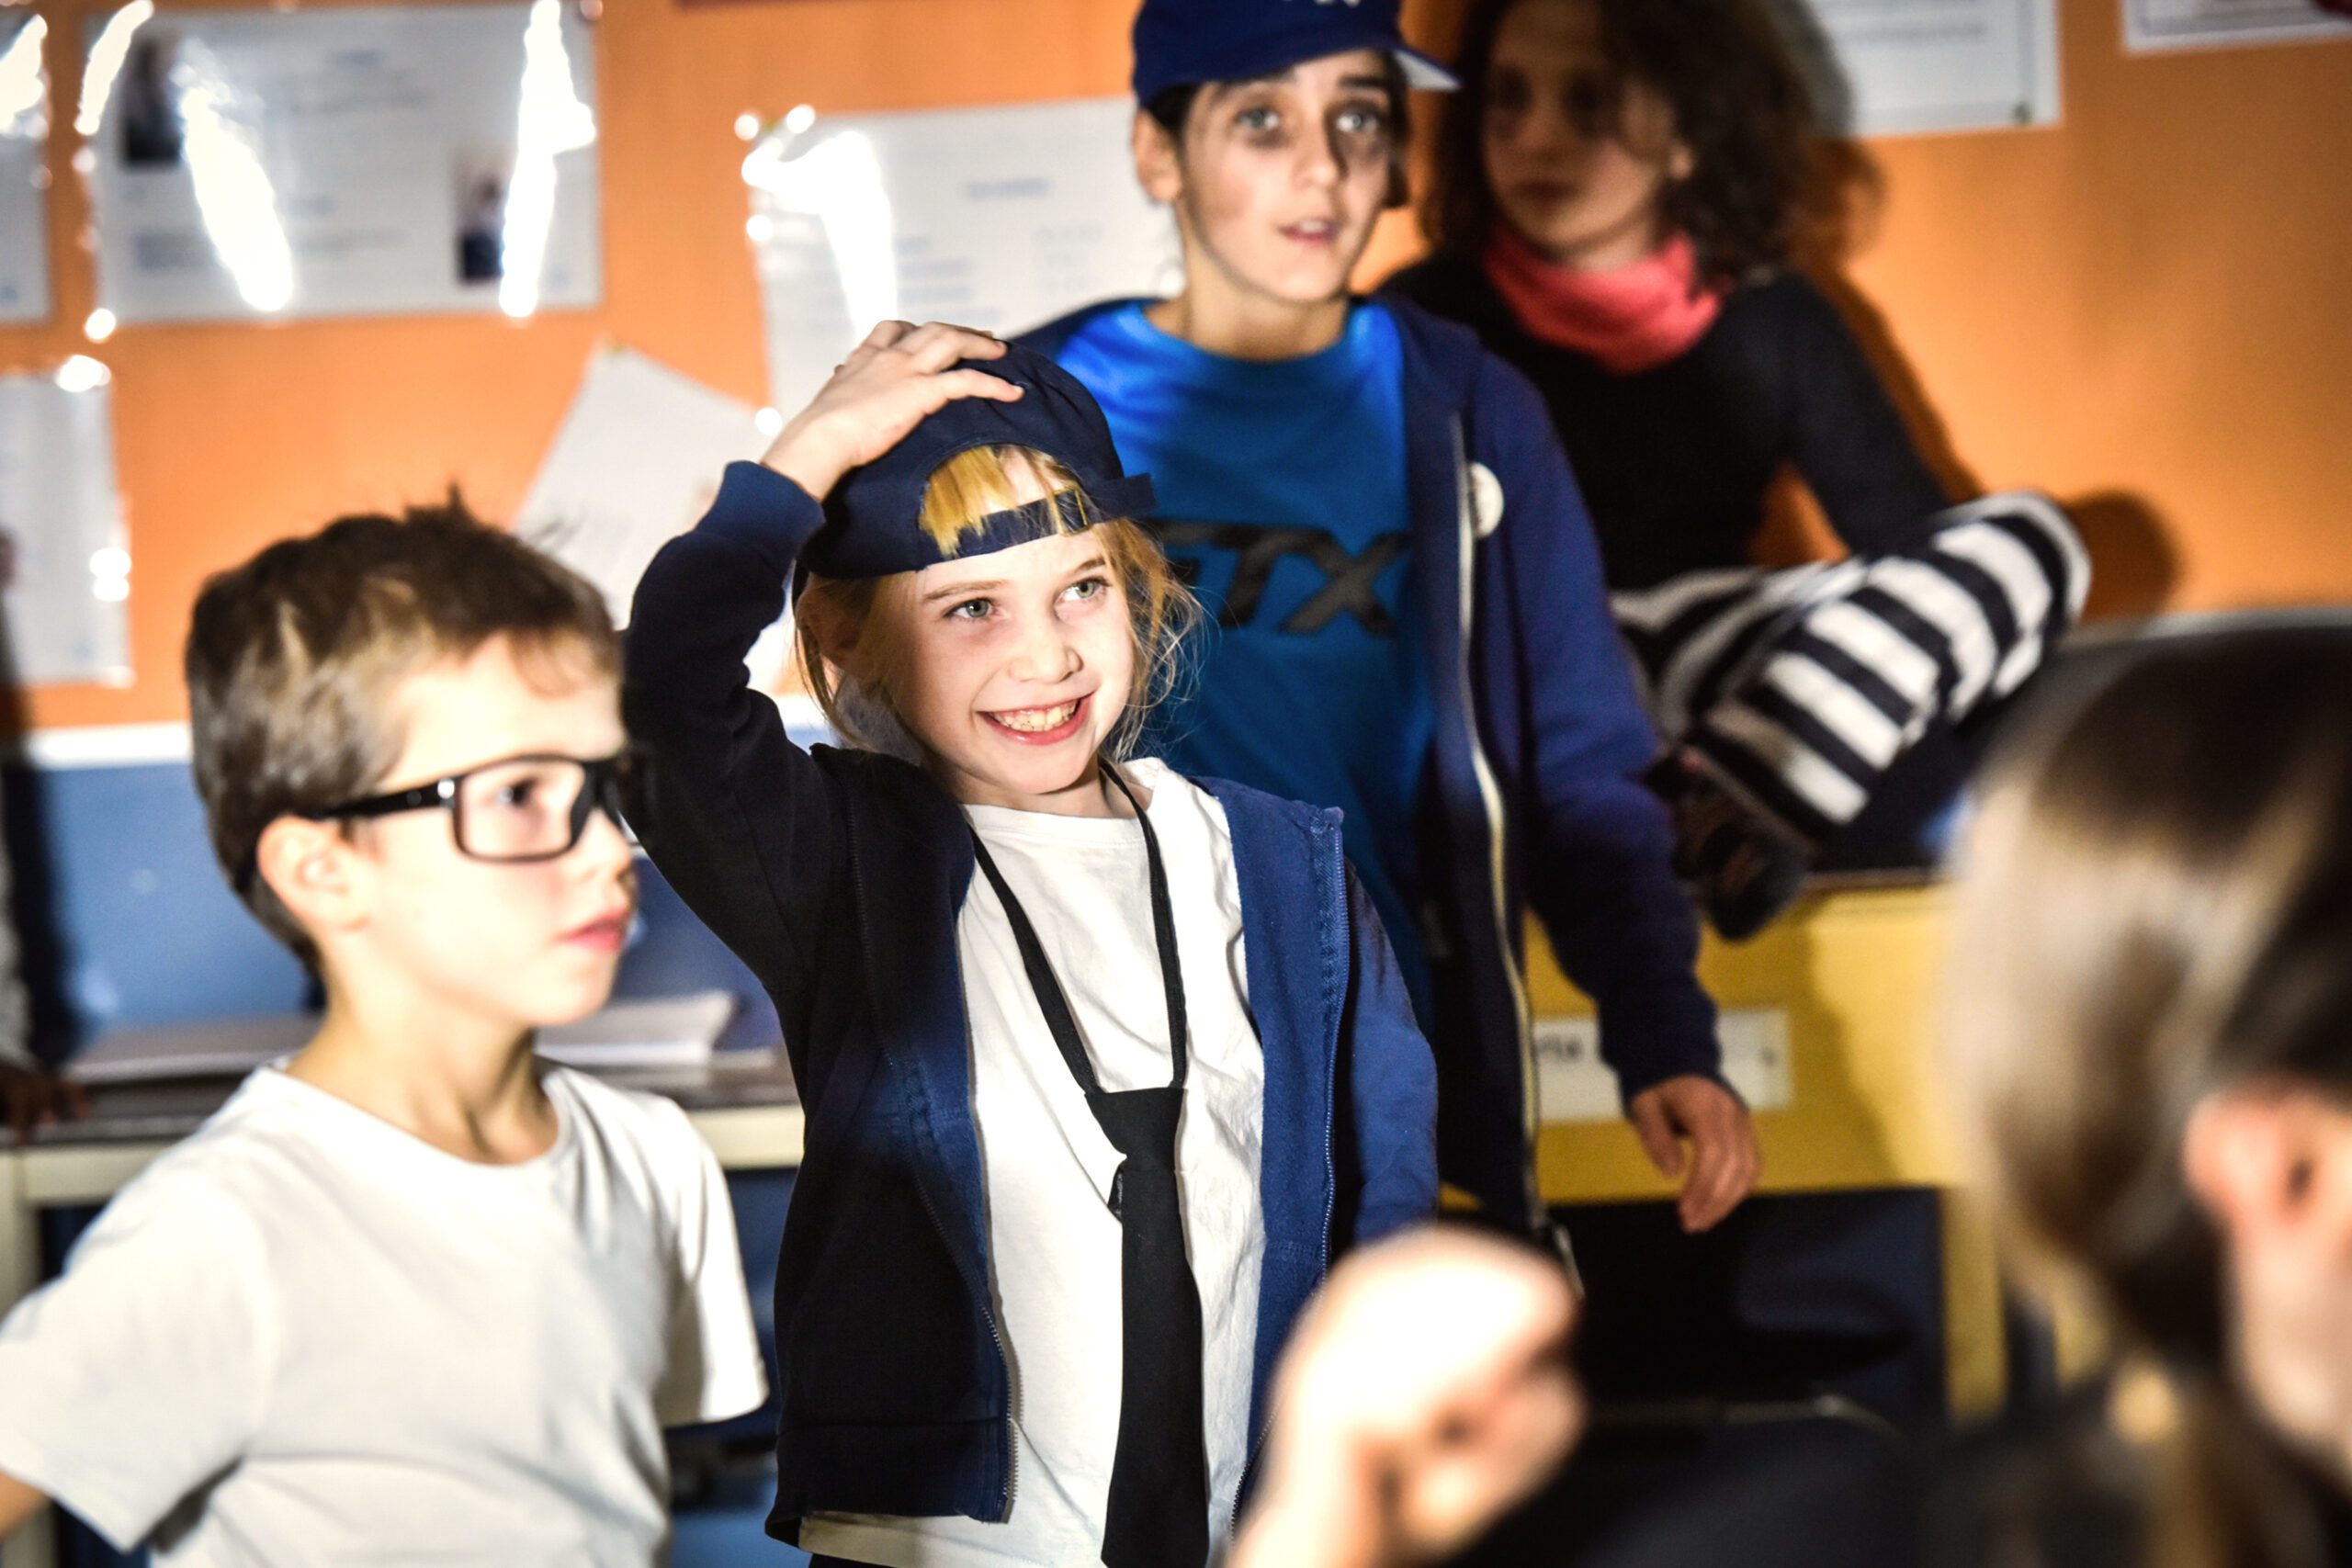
{"x":518,"y":809}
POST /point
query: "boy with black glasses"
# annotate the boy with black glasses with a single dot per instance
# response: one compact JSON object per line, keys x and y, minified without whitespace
{"x":412,"y":1294}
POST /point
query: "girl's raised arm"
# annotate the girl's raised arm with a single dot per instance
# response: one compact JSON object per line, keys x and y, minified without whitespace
{"x":742,"y":822}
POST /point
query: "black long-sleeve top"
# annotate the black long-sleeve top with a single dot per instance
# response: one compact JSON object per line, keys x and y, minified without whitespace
{"x":1676,"y":462}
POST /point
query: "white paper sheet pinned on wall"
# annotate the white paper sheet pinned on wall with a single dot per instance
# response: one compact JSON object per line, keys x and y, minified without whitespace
{"x":24,"y":169}
{"x":637,"y":460}
{"x":1887,"y":67}
{"x":993,"y":218}
{"x":345,"y":160}
{"x":2150,"y":26}
{"x":60,"y":528}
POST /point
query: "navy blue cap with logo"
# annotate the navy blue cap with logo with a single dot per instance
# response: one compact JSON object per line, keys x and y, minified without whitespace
{"x":1185,"y":43}
{"x":871,"y":517}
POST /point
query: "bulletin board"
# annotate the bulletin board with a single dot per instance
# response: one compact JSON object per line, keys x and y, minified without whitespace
{"x":2140,"y":308}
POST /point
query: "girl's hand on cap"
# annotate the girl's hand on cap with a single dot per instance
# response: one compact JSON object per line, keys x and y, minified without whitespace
{"x":890,"y":384}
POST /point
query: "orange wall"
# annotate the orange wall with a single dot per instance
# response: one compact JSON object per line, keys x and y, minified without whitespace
{"x":2148,"y":308}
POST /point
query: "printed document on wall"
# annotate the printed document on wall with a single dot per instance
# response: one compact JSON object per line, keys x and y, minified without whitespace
{"x":991,"y":218}
{"x":637,"y":460}
{"x":2152,"y":24}
{"x":345,"y":160}
{"x":1887,"y":67}
{"x":67,"y":570}
{"x":24,"y":171}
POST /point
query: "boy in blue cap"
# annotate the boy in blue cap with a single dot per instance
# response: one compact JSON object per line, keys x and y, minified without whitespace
{"x":1101,"y":1064}
{"x":1412,"y":624}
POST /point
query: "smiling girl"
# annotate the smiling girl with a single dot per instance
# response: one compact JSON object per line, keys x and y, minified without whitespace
{"x":1101,"y":1064}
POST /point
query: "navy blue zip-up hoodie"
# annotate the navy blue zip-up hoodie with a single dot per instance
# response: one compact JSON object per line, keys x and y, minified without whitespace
{"x":838,"y":876}
{"x":1540,"y":744}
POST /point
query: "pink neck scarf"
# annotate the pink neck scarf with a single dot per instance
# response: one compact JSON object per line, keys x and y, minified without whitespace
{"x":1636,"y":317}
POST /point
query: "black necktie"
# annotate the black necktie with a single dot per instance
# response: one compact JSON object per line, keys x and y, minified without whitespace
{"x":1159,"y":1475}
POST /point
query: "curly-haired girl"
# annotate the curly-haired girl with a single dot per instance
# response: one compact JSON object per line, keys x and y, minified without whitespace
{"x":1620,"y":187}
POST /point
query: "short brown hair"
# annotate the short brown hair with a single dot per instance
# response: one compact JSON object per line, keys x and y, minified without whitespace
{"x":963,"y":490}
{"x":292,"y":659}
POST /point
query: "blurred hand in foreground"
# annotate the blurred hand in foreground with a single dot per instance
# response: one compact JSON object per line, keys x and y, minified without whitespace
{"x":1427,"y":1392}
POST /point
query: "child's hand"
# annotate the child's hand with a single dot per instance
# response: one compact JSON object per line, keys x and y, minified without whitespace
{"x":29,"y":1099}
{"x":1722,"y":1163}
{"x":1427,"y":1392}
{"x":889,"y":385}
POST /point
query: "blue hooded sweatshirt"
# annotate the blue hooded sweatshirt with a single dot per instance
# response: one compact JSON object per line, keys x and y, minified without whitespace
{"x":1533,"y":792}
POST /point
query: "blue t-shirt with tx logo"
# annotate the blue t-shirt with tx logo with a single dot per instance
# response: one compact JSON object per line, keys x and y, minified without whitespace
{"x":1282,"y":496}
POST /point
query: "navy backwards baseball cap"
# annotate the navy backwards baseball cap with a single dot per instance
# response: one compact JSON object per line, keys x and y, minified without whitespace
{"x":1184,"y":44}
{"x":872,"y":517}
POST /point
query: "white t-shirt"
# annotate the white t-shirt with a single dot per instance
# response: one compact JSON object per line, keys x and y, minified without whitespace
{"x":1053,"y":1241}
{"x":305,"y":1336}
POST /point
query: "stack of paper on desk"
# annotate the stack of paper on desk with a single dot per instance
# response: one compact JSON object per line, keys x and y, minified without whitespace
{"x":636,"y":461}
{"x":658,"y":1032}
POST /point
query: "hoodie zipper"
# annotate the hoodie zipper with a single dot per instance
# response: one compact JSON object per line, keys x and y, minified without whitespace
{"x":1490,"y":799}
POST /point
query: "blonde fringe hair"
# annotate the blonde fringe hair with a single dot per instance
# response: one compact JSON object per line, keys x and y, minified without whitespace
{"x":962,"y":493}
{"x":2158,"y":905}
